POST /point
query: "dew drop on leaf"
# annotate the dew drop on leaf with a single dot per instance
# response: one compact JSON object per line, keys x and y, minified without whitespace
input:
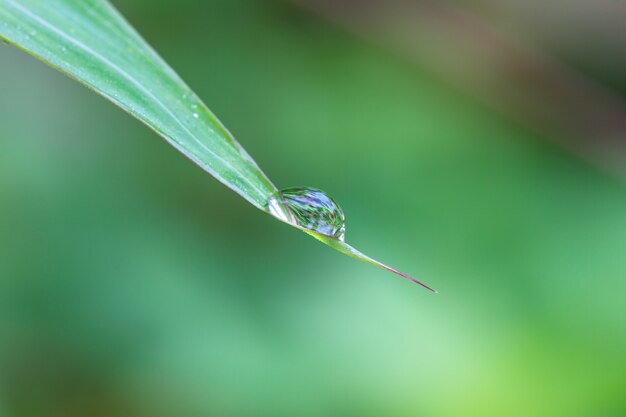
{"x":309,"y":208}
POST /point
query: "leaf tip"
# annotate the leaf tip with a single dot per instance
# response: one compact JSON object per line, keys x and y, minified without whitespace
{"x":410,"y":278}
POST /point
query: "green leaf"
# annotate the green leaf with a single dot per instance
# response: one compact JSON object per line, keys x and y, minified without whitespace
{"x":91,"y":42}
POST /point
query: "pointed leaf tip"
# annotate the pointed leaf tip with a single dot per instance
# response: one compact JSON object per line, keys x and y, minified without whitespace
{"x":346,"y":249}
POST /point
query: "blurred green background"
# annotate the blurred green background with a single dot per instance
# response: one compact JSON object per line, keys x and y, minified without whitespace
{"x":134,"y":284}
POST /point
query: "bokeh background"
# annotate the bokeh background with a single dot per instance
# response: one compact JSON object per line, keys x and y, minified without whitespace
{"x":477,"y":144}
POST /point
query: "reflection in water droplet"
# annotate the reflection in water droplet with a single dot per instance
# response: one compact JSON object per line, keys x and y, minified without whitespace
{"x":309,"y":208}
{"x":195,"y":115}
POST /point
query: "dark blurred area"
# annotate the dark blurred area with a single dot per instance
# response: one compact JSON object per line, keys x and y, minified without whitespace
{"x":476,"y":144}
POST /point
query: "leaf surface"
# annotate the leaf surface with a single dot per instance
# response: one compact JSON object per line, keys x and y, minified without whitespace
{"x":91,"y":42}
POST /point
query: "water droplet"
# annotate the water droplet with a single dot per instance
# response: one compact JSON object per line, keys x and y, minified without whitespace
{"x":195,"y":115}
{"x":309,"y":208}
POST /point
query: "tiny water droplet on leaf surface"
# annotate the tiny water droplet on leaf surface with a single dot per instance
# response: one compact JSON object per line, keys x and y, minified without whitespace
{"x":311,"y":209}
{"x":316,"y":213}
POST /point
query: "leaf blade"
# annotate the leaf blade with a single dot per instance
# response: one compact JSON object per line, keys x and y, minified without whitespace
{"x":90,"y":41}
